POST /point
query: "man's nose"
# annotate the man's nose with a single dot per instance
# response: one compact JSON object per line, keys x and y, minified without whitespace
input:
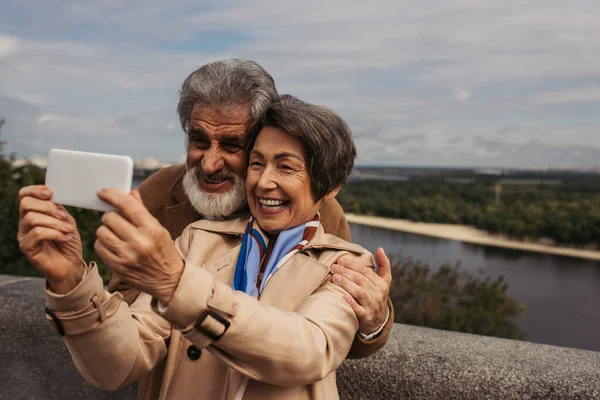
{"x":212,"y":161}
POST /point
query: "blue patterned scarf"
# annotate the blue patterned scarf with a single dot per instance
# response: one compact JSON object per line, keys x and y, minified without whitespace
{"x":259,"y":259}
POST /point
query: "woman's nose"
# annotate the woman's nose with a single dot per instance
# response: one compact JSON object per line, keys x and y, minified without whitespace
{"x":212,"y":161}
{"x":267,"y":180}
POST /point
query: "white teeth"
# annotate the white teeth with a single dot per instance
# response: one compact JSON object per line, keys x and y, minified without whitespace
{"x":271,"y":208}
{"x":266,"y":202}
{"x":271,"y":205}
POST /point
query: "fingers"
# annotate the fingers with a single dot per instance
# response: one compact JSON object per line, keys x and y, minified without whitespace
{"x":359,"y":266}
{"x":126,"y":204}
{"x":121,"y":227}
{"x":63,"y":211}
{"x":358,"y":292}
{"x":107,"y":255}
{"x":351,"y":262}
{"x":41,"y":192}
{"x":29,"y":204}
{"x":136,"y":195}
{"x":352,"y":275}
{"x":359,"y":310}
{"x":385,"y":268}
{"x":109,"y":240}
{"x":364,"y":287}
{"x":33,"y":219}
{"x":35,"y":237}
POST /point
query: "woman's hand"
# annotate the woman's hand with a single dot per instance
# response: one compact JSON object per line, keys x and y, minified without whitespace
{"x":49,"y":239}
{"x":368,"y":291}
{"x":137,"y":247}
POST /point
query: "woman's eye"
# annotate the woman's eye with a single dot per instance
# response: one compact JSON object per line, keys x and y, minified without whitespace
{"x":286,"y":167}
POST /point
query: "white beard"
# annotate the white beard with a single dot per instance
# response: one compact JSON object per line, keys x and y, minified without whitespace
{"x":216,"y":206}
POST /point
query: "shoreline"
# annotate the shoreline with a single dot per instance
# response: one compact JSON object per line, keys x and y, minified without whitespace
{"x":468,"y":234}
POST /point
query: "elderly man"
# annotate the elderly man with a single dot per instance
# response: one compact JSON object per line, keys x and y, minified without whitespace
{"x":244,"y":307}
{"x":219,"y":105}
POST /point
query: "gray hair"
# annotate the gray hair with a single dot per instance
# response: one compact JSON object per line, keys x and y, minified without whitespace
{"x":225,"y":83}
{"x":328,"y":144}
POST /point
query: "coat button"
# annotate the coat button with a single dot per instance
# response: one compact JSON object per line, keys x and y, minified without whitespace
{"x":193,"y":353}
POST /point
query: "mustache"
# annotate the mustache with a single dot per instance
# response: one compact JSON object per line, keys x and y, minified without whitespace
{"x":215,"y":177}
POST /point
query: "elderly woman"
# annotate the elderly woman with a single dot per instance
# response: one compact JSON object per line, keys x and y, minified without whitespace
{"x":242,"y":308}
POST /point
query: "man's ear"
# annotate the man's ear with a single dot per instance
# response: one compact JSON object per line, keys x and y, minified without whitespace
{"x":331,"y":195}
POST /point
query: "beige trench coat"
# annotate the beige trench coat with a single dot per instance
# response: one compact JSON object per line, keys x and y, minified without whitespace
{"x":213,"y":342}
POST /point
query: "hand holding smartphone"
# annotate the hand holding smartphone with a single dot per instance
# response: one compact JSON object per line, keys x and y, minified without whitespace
{"x":76,"y":176}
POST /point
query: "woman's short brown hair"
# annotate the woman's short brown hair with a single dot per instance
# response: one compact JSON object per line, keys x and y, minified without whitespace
{"x":328,"y":143}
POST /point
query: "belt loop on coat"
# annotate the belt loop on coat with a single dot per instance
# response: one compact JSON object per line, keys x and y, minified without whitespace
{"x":99,"y":307}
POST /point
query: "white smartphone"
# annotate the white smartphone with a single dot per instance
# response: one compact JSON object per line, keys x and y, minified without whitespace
{"x":76,"y":176}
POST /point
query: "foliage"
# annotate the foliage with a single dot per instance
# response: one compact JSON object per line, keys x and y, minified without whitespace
{"x":452,"y":298}
{"x":448,"y":299}
{"x":568,"y":213}
{"x":11,"y":259}
{"x":12,"y":179}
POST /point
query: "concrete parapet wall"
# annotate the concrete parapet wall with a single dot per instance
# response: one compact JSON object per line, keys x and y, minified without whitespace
{"x":417,"y":363}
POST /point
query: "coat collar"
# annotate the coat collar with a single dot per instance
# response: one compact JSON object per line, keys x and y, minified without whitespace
{"x":237,"y":227}
{"x":234,"y":226}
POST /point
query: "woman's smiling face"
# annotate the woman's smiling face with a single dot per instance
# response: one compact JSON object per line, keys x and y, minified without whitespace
{"x":278,"y":183}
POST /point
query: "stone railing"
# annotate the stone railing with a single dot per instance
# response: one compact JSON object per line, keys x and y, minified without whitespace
{"x":417,"y":363}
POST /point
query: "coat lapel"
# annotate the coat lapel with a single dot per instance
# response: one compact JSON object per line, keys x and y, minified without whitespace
{"x":294,"y":282}
{"x":283,"y":289}
{"x":217,"y":266}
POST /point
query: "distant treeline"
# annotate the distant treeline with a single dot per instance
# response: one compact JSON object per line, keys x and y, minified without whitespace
{"x":450,"y":298}
{"x":568,"y":212}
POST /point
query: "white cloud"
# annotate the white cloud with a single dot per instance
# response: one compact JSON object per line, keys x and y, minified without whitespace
{"x":52,"y":120}
{"x":388,"y":67}
{"x":461,"y":94}
{"x":485,"y":153}
{"x":580,"y":95}
{"x":35,"y":98}
{"x":9,"y":46}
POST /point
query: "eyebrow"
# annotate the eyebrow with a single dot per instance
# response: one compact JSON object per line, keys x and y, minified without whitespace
{"x":231,"y":136}
{"x":196,"y":132}
{"x":236,"y":137}
{"x":278,"y":156}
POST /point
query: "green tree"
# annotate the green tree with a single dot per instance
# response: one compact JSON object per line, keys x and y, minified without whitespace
{"x":453,"y":299}
{"x":563,"y":212}
{"x":12,"y":179}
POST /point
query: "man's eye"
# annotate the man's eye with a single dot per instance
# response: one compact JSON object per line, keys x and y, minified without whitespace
{"x":199,"y":143}
{"x":231,"y":147}
{"x":255,"y":163}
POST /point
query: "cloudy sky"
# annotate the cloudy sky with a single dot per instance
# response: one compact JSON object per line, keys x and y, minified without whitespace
{"x":429,"y":82}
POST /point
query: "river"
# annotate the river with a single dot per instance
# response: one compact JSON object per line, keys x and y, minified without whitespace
{"x":562,"y":294}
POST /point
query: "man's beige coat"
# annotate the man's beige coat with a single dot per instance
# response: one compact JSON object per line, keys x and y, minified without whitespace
{"x":287,"y":345}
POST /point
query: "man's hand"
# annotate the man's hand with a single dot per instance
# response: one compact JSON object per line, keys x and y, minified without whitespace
{"x":136,"y":246}
{"x":368,"y":291}
{"x":49,"y":239}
